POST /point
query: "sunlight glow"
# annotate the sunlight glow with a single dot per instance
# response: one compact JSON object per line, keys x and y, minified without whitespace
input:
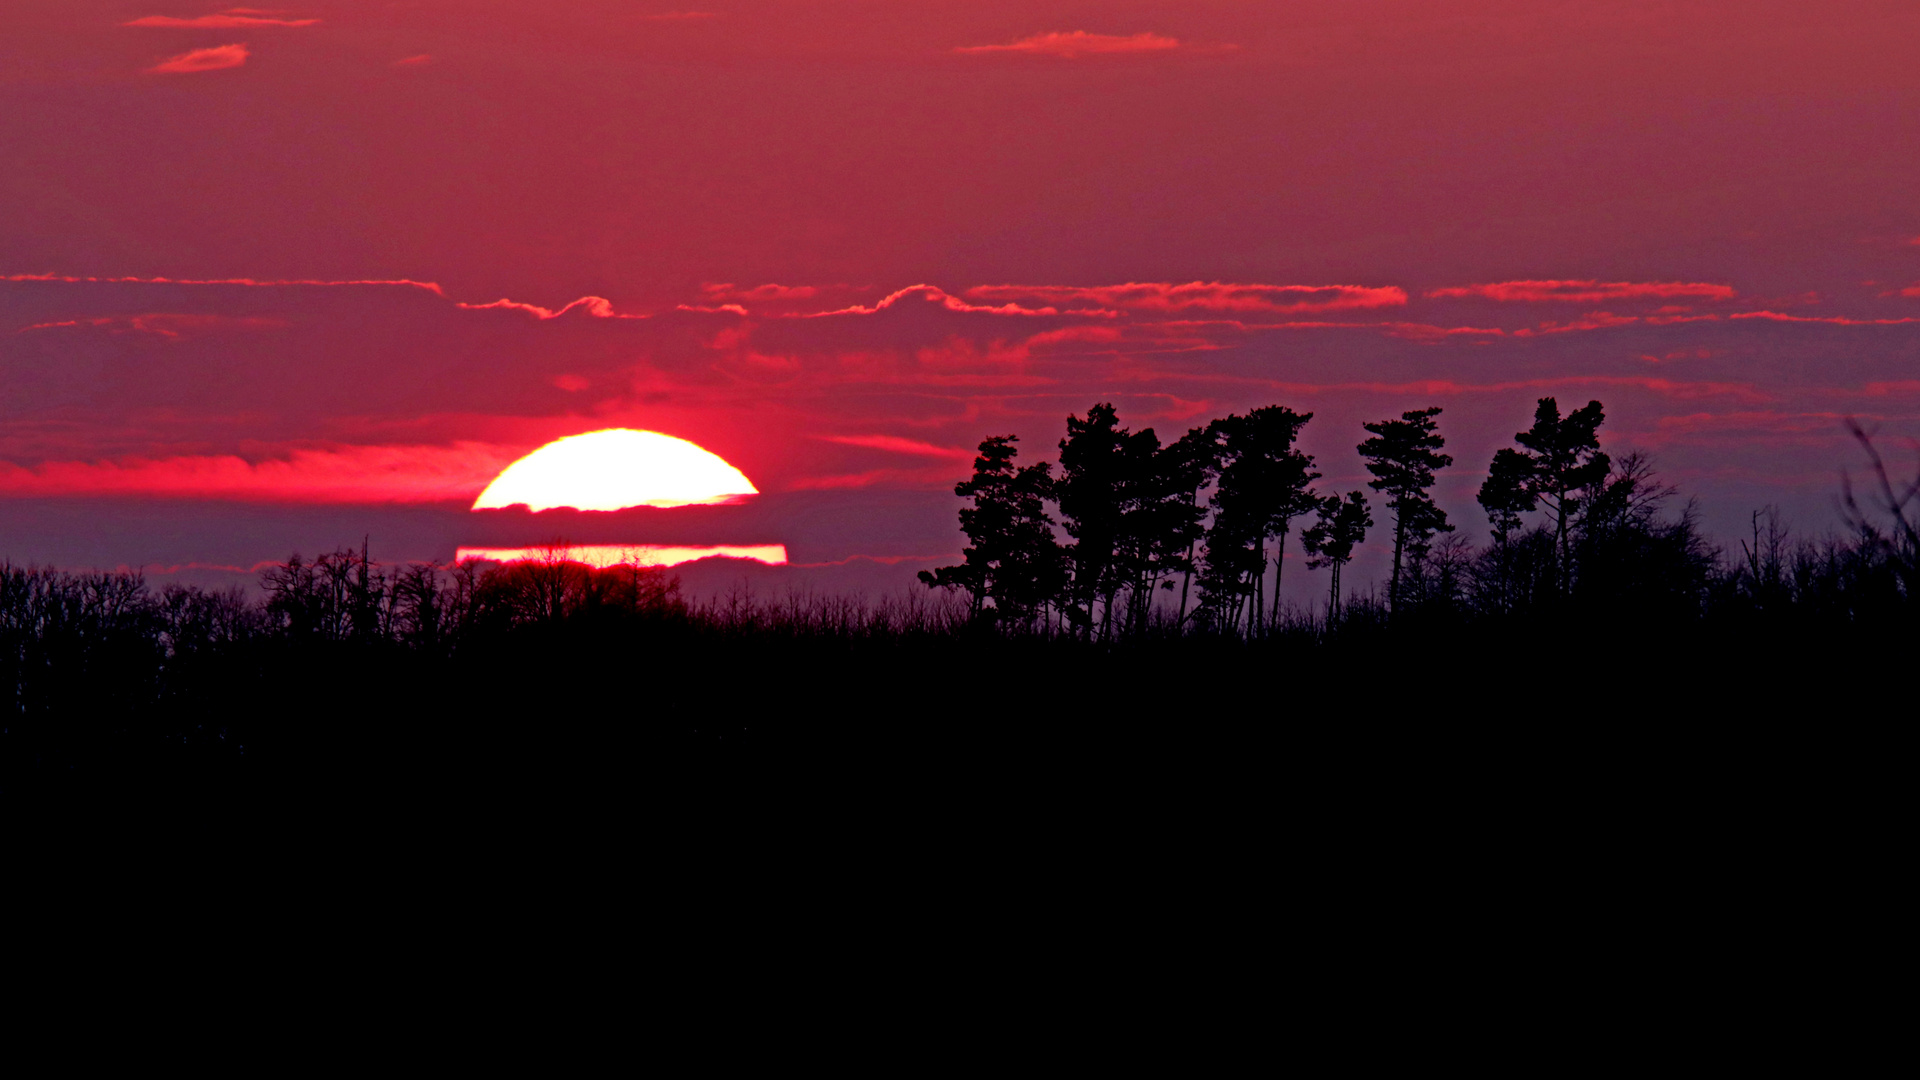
{"x":601,"y":556}
{"x":616,"y":469}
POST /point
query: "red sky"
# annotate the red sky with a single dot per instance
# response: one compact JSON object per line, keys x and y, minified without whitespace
{"x":276,"y":278}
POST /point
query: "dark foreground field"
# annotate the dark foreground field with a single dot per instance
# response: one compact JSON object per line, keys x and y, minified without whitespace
{"x":893,"y":720}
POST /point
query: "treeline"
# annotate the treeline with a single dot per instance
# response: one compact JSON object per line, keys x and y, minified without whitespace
{"x":1120,"y":606}
{"x":1190,"y":536}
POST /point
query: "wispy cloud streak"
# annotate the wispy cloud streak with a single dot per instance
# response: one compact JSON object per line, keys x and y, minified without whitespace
{"x":597,"y":306}
{"x":1205,"y":296}
{"x":1830,"y":320}
{"x":1584,"y":291}
{"x":934,"y":295}
{"x":897,"y":445}
{"x":1078,"y":43}
{"x":216,"y":58}
{"x":66,"y":279}
{"x":232,"y":19}
{"x":357,"y":474}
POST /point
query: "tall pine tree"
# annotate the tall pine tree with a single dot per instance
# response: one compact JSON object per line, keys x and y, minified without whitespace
{"x":1330,"y":542}
{"x":1560,"y":465}
{"x":1263,"y":486}
{"x":1402,"y":456}
{"x":1012,"y":558}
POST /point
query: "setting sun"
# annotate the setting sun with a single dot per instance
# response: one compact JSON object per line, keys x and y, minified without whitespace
{"x":613,"y":470}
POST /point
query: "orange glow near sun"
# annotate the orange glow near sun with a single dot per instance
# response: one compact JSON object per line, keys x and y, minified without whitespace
{"x":616,"y":469}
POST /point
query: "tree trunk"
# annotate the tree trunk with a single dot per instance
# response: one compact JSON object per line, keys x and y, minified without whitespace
{"x":1333,"y":597}
{"x":1279,"y":564}
{"x":1256,"y":622}
{"x":1560,"y":538}
{"x":1186,"y":581}
{"x":1399,"y":544}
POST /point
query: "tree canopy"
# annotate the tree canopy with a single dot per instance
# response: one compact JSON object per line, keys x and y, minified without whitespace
{"x":1402,"y":455}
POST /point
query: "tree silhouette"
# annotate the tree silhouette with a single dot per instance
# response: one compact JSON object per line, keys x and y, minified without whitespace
{"x":1012,"y":557}
{"x":1091,"y":492}
{"x":1634,"y":559}
{"x":1159,"y":518}
{"x":1900,"y":538}
{"x":1402,"y":456}
{"x":1504,"y":495}
{"x":1560,"y":466}
{"x":1263,"y":486}
{"x":1191,"y":462}
{"x":1342,"y":525}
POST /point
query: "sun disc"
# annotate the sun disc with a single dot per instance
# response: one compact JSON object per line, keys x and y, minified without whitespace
{"x":613,"y":470}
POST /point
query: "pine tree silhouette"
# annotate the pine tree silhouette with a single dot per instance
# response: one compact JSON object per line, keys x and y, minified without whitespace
{"x":1012,"y":557}
{"x":1561,"y":466}
{"x":1263,"y":486}
{"x":1341,"y":527}
{"x":1159,"y":519}
{"x":1191,"y":463}
{"x":1091,"y":493}
{"x":1402,"y":456}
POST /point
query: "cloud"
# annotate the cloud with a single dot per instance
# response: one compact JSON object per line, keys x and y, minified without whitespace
{"x":1096,"y":334}
{"x":1412,"y":331}
{"x":163,"y":324}
{"x":1205,"y":295}
{"x":597,"y":306}
{"x":883,"y":560}
{"x":897,"y":445}
{"x":1069,"y":46}
{"x":1803,"y":428}
{"x":231,"y":19}
{"x":65,"y":279}
{"x":119,"y":374}
{"x":680,"y":16}
{"x":1831,"y":320}
{"x":607,"y":555}
{"x":213,"y":59}
{"x":1891,"y":387}
{"x":1593,"y":320}
{"x":1912,"y":290}
{"x":934,"y":295}
{"x":414,"y":61}
{"x":1585,"y":291}
{"x":353,"y":474}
